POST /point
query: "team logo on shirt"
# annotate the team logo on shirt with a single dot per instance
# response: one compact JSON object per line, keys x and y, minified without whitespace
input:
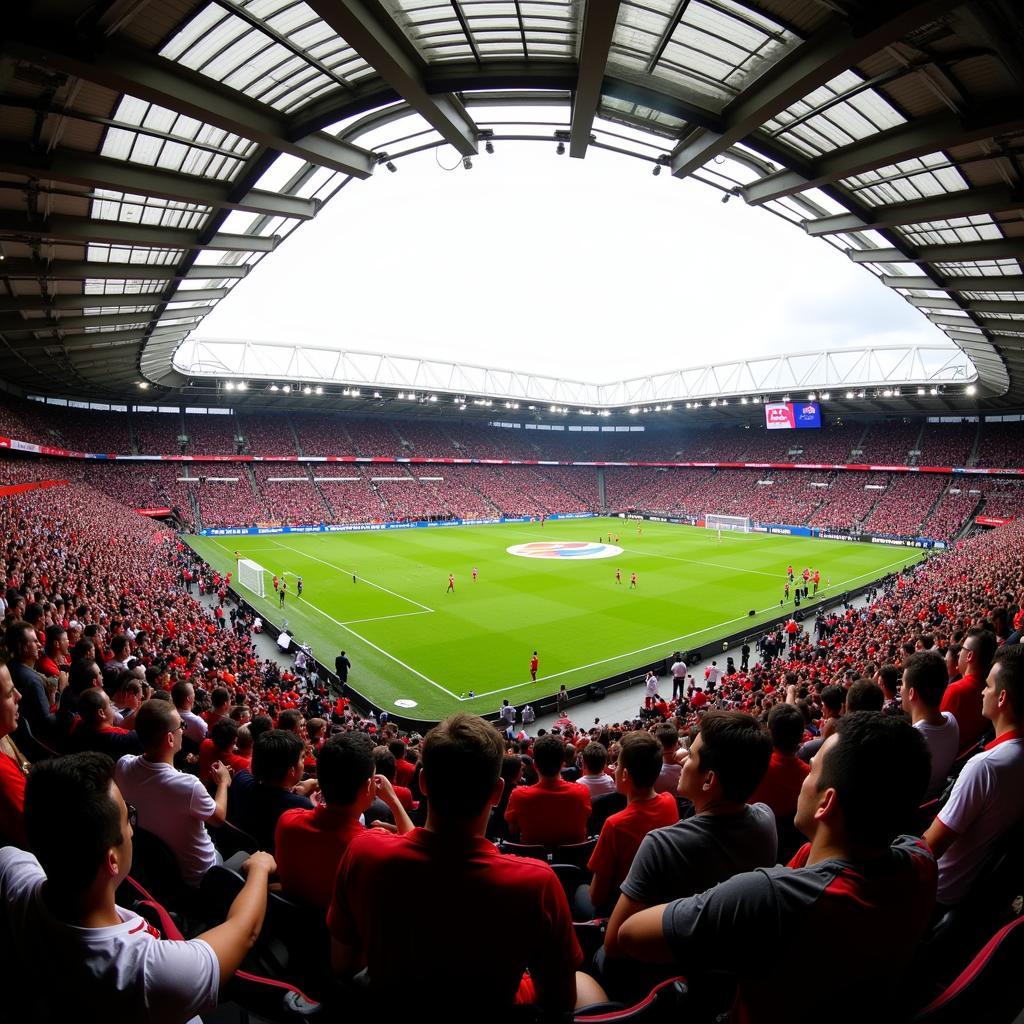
{"x":564,"y":549}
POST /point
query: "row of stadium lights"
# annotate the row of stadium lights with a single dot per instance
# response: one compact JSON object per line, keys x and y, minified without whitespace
{"x":462,"y":401}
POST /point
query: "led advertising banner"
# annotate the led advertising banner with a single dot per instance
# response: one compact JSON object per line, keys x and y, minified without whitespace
{"x":791,"y":415}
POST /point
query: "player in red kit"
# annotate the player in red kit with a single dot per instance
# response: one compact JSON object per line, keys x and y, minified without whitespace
{"x":618,"y":576}
{"x":475,"y":571}
{"x":451,"y":584}
{"x":632,"y":581}
{"x":534,"y":662}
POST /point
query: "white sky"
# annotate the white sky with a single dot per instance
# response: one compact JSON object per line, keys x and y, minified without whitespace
{"x":591,"y":269}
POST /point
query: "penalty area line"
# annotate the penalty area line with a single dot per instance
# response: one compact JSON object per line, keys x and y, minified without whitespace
{"x":348,"y":572}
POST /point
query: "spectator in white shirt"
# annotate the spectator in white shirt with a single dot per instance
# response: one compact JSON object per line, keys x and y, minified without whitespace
{"x":70,"y":952}
{"x":184,"y":696}
{"x":595,"y":778}
{"x":172,"y":805}
{"x":924,"y":682}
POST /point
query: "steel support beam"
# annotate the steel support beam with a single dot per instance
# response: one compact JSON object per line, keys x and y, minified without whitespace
{"x":915,"y":138}
{"x":383,"y":45}
{"x":830,"y":52}
{"x":972,"y":306}
{"x":128,"y":69}
{"x":1009,"y":283}
{"x":595,"y":41}
{"x":968,"y":203}
{"x":80,"y":270}
{"x":14,"y":324}
{"x":83,"y":229}
{"x":44,"y":303}
{"x":962,"y":252}
{"x":92,"y":172}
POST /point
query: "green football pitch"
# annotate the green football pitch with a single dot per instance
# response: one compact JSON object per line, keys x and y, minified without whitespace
{"x":412,"y":641}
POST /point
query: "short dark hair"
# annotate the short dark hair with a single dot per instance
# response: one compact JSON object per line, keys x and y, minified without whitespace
{"x":343,"y":766}
{"x":890,"y":676}
{"x":879,"y":768}
{"x":1011,"y":661}
{"x":640,"y":755}
{"x":15,"y":635}
{"x":180,"y":693}
{"x":53,"y":634}
{"x":925,"y":673}
{"x":986,"y":646}
{"x":548,"y":755}
{"x":397,"y":747}
{"x":223,"y":733}
{"x":155,"y":718}
{"x":595,"y":757}
{"x":289,"y":719}
{"x":864,"y":695}
{"x":461,"y":760}
{"x":119,"y":643}
{"x":260,"y":724}
{"x":384,"y":761}
{"x":668,"y":736}
{"x":275,"y":754}
{"x":736,"y":749}
{"x":833,"y":697}
{"x":89,"y":706}
{"x":70,"y":796}
{"x":220,"y":696}
{"x":786,"y":727}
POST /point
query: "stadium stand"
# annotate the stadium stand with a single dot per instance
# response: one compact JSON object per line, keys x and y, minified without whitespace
{"x":210,"y":435}
{"x":267,"y":435}
{"x":294,"y":499}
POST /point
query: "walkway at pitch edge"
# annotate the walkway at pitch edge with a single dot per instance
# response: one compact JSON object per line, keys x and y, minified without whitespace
{"x":626,"y":703}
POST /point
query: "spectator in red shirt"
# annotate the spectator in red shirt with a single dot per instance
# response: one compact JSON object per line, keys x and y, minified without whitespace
{"x":963,"y":696}
{"x":95,"y":729}
{"x":404,"y":768}
{"x":636,"y":771}
{"x":385,"y":767}
{"x":220,"y":746}
{"x":310,"y":844}
{"x":448,"y":868}
{"x":781,"y":784}
{"x":553,"y":812}
{"x":13,"y":766}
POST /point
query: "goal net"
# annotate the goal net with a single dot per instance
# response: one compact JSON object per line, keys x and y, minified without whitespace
{"x":251,"y":576}
{"x":739,"y":524}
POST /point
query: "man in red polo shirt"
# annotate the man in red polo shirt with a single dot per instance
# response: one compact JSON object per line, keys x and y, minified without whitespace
{"x":963,"y":696}
{"x":780,"y":787}
{"x":553,"y":812}
{"x":310,"y":844}
{"x":636,"y":771}
{"x":455,"y":878}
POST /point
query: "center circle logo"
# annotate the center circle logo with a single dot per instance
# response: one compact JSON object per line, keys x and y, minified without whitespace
{"x":568,"y":549}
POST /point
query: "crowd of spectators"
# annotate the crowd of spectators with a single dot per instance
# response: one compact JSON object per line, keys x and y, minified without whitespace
{"x":906,"y":504}
{"x":267,"y":434}
{"x":210,"y":434}
{"x":321,"y":434}
{"x":228,"y":500}
{"x":946,"y":444}
{"x":948,"y":518}
{"x":350,"y":494}
{"x":157,"y":433}
{"x":889,"y":443}
{"x":1003,"y":498}
{"x":294,"y":499}
{"x":999,"y":446}
{"x":835,"y":731}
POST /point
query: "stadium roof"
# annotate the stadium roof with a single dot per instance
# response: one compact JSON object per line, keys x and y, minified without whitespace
{"x":152,"y":154}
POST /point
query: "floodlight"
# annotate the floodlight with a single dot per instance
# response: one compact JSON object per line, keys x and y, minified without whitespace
{"x":143,"y":384}
{"x":849,"y":394}
{"x":274,"y":387}
{"x":307,"y":390}
{"x":230,"y":386}
{"x":391,"y":167}
{"x":319,"y":390}
{"x":971,"y":389}
{"x":657,"y":170}
{"x":286,"y":388}
{"x":467,"y":162}
{"x":489,"y":146}
{"x":242,"y":385}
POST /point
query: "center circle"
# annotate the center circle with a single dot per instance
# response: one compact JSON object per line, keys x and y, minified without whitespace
{"x":567,"y":549}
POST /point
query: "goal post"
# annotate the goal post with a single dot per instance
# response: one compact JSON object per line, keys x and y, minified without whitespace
{"x":738,"y":524}
{"x":251,"y":575}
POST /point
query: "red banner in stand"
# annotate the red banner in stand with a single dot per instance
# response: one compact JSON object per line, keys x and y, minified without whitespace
{"x":992,"y":520}
{"x":37,"y":485}
{"x":153,"y":511}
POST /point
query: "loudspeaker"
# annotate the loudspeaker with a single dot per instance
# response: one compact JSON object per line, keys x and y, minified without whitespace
{"x":752,"y":612}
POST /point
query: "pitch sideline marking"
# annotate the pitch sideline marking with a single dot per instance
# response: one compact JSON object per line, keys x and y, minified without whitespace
{"x":640,"y":650}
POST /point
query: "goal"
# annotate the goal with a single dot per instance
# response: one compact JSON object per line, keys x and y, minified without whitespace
{"x":251,"y":576}
{"x":738,"y":524}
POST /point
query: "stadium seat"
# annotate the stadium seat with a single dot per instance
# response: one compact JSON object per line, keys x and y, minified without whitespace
{"x":602,"y":809}
{"x":524,"y":850}
{"x":574,"y":853}
{"x":664,"y":1002}
{"x":590,"y":936}
{"x":572,"y":876}
{"x":230,"y":839}
{"x":986,"y":990}
{"x":155,"y":867}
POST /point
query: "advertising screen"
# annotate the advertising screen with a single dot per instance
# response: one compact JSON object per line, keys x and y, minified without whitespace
{"x":791,"y":415}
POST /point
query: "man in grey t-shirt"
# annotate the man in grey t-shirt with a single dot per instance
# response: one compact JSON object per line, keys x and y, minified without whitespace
{"x":725,"y":765}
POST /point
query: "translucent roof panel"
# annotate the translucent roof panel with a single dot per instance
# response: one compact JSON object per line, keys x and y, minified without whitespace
{"x":614,"y":109}
{"x":711,"y":48}
{"x":157,"y":137}
{"x":100,"y":252}
{"x":450,"y":30}
{"x":979,"y":268}
{"x":131,"y":209}
{"x":276,"y":51}
{"x":929,"y":175}
{"x":961,"y":229}
{"x":841,"y":112}
{"x":107,"y":286}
